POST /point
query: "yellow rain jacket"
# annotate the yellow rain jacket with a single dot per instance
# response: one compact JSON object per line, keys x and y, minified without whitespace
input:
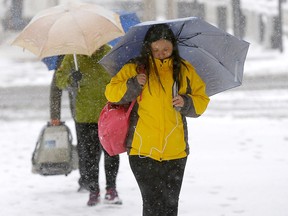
{"x":157,"y":130}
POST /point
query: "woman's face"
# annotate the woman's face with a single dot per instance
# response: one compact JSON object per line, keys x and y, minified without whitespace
{"x":161,"y":49}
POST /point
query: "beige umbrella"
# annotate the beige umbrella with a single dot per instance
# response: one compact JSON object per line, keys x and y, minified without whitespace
{"x":75,"y":28}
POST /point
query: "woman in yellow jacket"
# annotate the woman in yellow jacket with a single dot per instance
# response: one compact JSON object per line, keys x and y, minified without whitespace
{"x":167,"y":91}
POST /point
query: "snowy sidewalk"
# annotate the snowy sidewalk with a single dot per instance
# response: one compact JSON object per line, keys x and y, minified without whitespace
{"x":236,"y":167}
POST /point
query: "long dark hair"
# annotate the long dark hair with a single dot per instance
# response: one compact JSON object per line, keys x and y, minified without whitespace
{"x":155,"y":33}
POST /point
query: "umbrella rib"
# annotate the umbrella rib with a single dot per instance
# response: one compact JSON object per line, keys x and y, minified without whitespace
{"x":182,"y":40}
{"x":180,"y":30}
{"x":182,"y":43}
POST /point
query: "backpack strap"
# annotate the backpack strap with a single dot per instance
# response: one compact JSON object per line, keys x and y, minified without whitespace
{"x":131,"y":107}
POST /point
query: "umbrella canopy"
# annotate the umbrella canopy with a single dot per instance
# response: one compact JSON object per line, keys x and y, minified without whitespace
{"x":52,"y":62}
{"x":217,"y":56}
{"x":75,"y":28}
{"x":127,"y":19}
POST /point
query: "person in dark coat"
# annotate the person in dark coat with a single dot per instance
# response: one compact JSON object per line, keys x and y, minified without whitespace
{"x":87,"y":100}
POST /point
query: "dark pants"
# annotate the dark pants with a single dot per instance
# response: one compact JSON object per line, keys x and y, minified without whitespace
{"x":160,"y":184}
{"x":89,"y":151}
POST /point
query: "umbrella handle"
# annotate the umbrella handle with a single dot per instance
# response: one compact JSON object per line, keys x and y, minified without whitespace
{"x":76,"y":68}
{"x":75,"y":62}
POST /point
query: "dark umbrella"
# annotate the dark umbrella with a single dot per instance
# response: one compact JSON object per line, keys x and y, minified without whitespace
{"x":217,"y":56}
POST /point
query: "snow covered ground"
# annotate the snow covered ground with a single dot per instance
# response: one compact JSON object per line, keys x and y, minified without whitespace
{"x":239,"y":150}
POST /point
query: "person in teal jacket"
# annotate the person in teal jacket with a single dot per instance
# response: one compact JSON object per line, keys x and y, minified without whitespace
{"x":89,"y":99}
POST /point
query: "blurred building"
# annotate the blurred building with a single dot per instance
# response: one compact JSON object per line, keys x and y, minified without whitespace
{"x":260,"y":20}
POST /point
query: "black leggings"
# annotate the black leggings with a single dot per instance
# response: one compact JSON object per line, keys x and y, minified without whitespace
{"x":159,"y":183}
{"x":89,"y":151}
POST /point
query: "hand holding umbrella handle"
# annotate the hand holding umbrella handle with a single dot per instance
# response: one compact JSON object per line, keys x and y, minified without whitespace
{"x":142,"y":71}
{"x":141,"y":78}
{"x":178,"y":102}
{"x":76,"y":75}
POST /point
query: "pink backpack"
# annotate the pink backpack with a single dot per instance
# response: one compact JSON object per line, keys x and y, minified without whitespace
{"x":113,"y":125}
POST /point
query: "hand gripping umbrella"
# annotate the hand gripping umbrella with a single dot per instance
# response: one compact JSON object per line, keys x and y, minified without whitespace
{"x":217,"y":56}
